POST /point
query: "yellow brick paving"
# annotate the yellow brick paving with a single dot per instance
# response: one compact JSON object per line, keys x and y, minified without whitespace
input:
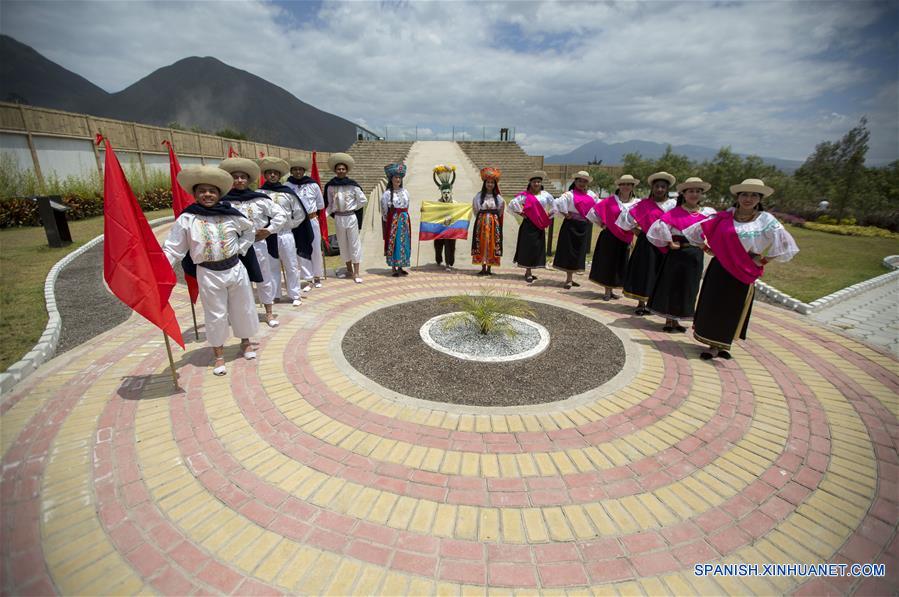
{"x":82,"y":560}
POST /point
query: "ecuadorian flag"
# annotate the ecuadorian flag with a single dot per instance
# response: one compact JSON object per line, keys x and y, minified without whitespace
{"x":444,"y":220}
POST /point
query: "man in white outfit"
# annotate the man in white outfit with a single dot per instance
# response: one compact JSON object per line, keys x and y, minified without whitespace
{"x":310,"y":194}
{"x":284,"y":197}
{"x":214,"y":235}
{"x":268,"y":219}
{"x":343,"y":198}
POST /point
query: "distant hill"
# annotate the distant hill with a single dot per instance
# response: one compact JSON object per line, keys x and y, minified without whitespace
{"x":613,"y":153}
{"x":26,"y":77}
{"x":201,"y":92}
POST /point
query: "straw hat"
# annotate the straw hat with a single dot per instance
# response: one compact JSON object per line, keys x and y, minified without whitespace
{"x":627,"y":179}
{"x":694,"y":182}
{"x":273,"y":163}
{"x":583,"y":174}
{"x":537,"y":174}
{"x":661,"y":176}
{"x":341,"y":158}
{"x":752,"y":185}
{"x":305,"y":163}
{"x":191,"y":176}
{"x":248,"y":167}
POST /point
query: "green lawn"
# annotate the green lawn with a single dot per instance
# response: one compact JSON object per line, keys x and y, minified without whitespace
{"x":25,"y":261}
{"x":828,"y":262}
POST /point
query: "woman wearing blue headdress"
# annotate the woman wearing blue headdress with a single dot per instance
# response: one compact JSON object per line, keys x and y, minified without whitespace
{"x":396,"y":226}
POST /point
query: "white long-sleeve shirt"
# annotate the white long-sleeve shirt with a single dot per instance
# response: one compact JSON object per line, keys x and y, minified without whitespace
{"x":764,"y":235}
{"x":399,"y":199}
{"x":263,"y":212}
{"x":310,"y":196}
{"x":662,"y":233}
{"x":345,"y":198}
{"x":565,"y":205}
{"x":626,"y":221}
{"x":208,"y":238}
{"x":547,"y":201}
{"x":594,"y":217}
{"x":477,"y":204}
{"x":291,"y":206}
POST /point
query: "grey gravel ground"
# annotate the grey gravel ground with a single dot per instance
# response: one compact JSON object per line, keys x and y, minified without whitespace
{"x":85,"y":306}
{"x":467,"y":339}
{"x":386,"y":347}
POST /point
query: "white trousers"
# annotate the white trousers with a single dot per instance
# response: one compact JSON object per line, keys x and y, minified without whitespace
{"x":266,"y":288}
{"x":287,"y":250}
{"x":227,"y":297}
{"x":315,"y":267}
{"x":348,"y":238}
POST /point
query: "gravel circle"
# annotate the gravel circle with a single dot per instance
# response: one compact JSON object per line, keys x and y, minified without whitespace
{"x":467,"y":338}
{"x":86,"y":308}
{"x":386,"y":347}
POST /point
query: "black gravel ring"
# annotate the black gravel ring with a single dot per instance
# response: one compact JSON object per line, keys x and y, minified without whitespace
{"x":386,"y":347}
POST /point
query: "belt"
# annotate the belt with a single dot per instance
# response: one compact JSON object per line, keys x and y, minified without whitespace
{"x":488,"y":211}
{"x":680,"y":239}
{"x":313,"y":214}
{"x":344,"y":213}
{"x":399,"y":210}
{"x":218,"y":266}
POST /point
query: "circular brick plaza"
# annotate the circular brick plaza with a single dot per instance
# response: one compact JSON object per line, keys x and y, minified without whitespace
{"x":295,"y":473}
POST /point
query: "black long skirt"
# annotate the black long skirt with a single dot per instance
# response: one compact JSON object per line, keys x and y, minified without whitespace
{"x":573,"y":246}
{"x":642,"y":269}
{"x":674,"y":293}
{"x":530,"y":250}
{"x":609,"y":260}
{"x":724,"y":307}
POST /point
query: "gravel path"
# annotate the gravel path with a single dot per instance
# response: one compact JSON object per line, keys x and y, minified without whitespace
{"x":85,"y":306}
{"x":386,"y":347}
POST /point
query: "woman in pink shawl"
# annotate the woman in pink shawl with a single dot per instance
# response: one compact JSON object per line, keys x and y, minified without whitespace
{"x":535,"y":206}
{"x":743,"y":239}
{"x":675,"y":289}
{"x":574,"y":235}
{"x":614,"y":243}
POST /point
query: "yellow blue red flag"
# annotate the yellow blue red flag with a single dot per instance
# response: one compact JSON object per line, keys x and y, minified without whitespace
{"x":444,"y":220}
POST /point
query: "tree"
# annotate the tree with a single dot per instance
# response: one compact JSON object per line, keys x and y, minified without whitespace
{"x":837,"y":168}
{"x":602,"y":180}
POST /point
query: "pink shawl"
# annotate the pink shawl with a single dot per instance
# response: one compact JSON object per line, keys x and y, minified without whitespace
{"x":646,"y":212}
{"x":681,"y":219}
{"x":534,"y":211}
{"x":583,"y":202}
{"x":721,"y":236}
{"x":608,"y":210}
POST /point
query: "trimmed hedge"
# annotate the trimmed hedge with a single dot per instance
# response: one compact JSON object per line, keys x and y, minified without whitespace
{"x":23,"y":212}
{"x":850,"y":230}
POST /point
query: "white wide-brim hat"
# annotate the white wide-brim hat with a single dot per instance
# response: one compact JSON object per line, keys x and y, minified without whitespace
{"x":191,"y":176}
{"x":537,"y":174}
{"x":273,"y":163}
{"x":752,"y":185}
{"x":627,"y":179}
{"x":341,"y":158}
{"x":694,"y":182}
{"x":248,"y":167}
{"x":661,"y":176}
{"x":583,"y":174}
{"x":304,"y":163}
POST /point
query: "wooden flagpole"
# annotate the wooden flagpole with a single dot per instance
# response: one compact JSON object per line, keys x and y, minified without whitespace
{"x":168,"y":349}
{"x":193,"y":312}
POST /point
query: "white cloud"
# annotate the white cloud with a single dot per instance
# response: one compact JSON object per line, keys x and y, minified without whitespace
{"x":753,"y":75}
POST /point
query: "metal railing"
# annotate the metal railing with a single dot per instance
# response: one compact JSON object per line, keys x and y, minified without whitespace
{"x":452,"y":133}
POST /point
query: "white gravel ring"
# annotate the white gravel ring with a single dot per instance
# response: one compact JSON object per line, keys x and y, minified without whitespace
{"x":541,"y":344}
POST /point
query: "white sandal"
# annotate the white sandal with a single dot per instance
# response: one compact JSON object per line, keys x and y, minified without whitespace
{"x":220,"y":370}
{"x":357,"y":280}
{"x":271,"y":321}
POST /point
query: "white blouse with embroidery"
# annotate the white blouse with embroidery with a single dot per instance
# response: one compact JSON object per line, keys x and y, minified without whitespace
{"x":345,"y":198}
{"x":400,"y":199}
{"x":208,"y":238}
{"x":546,"y":200}
{"x":477,"y":204}
{"x":594,"y":217}
{"x":264,"y":213}
{"x":662,"y":233}
{"x":310,"y":195}
{"x":291,"y":206}
{"x":764,"y":235}
{"x":626,"y":221}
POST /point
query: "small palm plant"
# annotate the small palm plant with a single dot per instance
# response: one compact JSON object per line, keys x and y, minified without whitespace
{"x":488,"y":310}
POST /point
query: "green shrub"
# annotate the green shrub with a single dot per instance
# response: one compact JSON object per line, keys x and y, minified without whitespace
{"x":849,"y":230}
{"x":826,"y":219}
{"x":488,"y":310}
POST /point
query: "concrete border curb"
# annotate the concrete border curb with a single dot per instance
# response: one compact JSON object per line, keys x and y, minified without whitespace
{"x":45,"y":348}
{"x":782,"y":298}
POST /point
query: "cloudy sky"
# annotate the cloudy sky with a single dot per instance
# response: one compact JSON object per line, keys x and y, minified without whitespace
{"x":772,"y":78}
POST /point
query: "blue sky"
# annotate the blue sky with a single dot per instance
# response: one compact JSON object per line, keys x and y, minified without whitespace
{"x":772,"y":78}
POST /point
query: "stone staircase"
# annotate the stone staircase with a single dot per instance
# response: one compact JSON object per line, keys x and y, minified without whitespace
{"x":371,"y":157}
{"x":509,"y":157}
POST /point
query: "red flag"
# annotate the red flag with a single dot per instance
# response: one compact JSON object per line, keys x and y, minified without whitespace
{"x":134,"y":266}
{"x":180,"y":200}
{"x":232,"y":153}
{"x":261,"y":174}
{"x":322,"y":216}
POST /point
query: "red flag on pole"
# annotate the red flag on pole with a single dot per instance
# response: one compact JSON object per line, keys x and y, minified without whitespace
{"x":134,"y":266}
{"x":232,"y":153}
{"x":322,"y":216}
{"x":180,"y":200}
{"x":261,"y":174}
